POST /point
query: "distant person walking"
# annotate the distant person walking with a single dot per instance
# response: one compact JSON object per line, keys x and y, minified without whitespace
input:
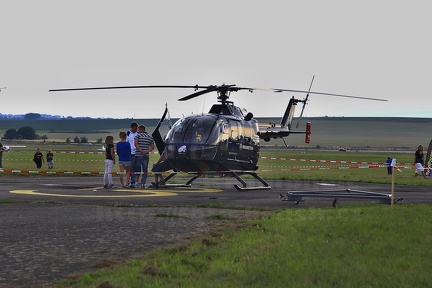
{"x":123,"y":149}
{"x":419,"y":162}
{"x":144,"y":144}
{"x":131,"y":134}
{"x":389,"y":167}
{"x":109,"y":162}
{"x":1,"y":155}
{"x":38,"y":158}
{"x":50,"y":159}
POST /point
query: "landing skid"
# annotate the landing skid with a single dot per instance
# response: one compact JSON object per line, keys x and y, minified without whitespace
{"x":255,"y":175}
{"x":172,"y":174}
{"x":234,"y":174}
{"x":298,"y":196}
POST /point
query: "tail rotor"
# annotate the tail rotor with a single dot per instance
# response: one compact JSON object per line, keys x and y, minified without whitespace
{"x":304,"y":102}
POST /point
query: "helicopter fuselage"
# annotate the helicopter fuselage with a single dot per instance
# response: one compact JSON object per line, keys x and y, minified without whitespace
{"x":213,"y":142}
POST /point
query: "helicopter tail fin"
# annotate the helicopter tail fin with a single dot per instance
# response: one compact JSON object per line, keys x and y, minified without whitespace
{"x":157,"y":137}
{"x":267,"y":133}
{"x":289,"y":114}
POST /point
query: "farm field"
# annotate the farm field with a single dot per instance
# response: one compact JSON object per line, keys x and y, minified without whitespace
{"x":365,"y":133}
{"x":327,"y":132}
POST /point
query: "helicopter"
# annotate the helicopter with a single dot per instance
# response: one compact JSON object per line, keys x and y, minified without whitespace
{"x":225,"y":140}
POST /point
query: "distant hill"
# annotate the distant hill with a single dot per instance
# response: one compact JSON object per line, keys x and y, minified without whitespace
{"x":368,"y":132}
{"x":347,"y":132}
{"x":40,"y":117}
{"x":73,"y":125}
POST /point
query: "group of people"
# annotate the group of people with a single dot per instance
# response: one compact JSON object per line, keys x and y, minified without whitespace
{"x":133,"y":151}
{"x":38,"y":159}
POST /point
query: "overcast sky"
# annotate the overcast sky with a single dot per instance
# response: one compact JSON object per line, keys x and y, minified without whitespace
{"x":379,"y":49}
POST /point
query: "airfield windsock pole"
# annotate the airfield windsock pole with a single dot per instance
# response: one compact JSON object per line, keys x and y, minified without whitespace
{"x":393,"y":165}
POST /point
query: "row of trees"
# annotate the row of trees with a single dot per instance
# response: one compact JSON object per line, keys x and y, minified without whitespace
{"x":77,"y":140}
{"x":82,"y":140}
{"x":26,"y":132}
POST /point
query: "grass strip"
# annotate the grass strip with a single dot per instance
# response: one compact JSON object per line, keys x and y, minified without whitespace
{"x":352,"y":246}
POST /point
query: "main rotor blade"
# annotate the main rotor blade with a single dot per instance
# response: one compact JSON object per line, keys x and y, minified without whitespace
{"x":208,"y":89}
{"x":225,"y":88}
{"x":328,"y":94}
{"x":128,"y":87}
{"x":196,"y":94}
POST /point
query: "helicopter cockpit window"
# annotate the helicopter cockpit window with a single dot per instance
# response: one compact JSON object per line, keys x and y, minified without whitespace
{"x":198,"y":130}
{"x":177,"y":132}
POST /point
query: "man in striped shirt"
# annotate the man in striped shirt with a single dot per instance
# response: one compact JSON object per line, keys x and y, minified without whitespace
{"x":144,"y":144}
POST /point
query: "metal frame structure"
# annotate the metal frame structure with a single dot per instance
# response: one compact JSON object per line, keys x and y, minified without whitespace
{"x":298,"y":196}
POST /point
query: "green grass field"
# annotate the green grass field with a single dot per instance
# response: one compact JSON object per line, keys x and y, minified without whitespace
{"x":356,"y":246}
{"x":305,"y":164}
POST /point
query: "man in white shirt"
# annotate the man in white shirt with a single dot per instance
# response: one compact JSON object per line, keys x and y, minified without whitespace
{"x":131,"y":134}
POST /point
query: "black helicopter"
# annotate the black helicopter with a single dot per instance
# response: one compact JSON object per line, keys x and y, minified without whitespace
{"x":223,"y":141}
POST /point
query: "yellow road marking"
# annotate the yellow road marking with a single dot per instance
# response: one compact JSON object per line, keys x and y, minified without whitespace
{"x":138,"y":193}
{"x":178,"y":190}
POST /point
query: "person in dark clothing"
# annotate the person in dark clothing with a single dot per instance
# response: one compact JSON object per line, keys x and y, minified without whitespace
{"x":1,"y":154}
{"x":389,"y":167}
{"x":160,"y":166}
{"x":419,"y":162}
{"x":38,"y":158}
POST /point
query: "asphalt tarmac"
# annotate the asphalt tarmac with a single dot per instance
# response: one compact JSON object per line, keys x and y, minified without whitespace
{"x":213,"y":190}
{"x":52,"y":228}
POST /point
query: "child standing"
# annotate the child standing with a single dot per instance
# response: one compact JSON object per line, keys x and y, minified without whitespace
{"x":38,"y":158}
{"x":109,"y":162}
{"x":50,"y":159}
{"x":124,"y":152}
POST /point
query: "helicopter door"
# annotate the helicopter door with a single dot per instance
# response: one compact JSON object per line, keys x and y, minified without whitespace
{"x":234,"y":137}
{"x":224,"y":136}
